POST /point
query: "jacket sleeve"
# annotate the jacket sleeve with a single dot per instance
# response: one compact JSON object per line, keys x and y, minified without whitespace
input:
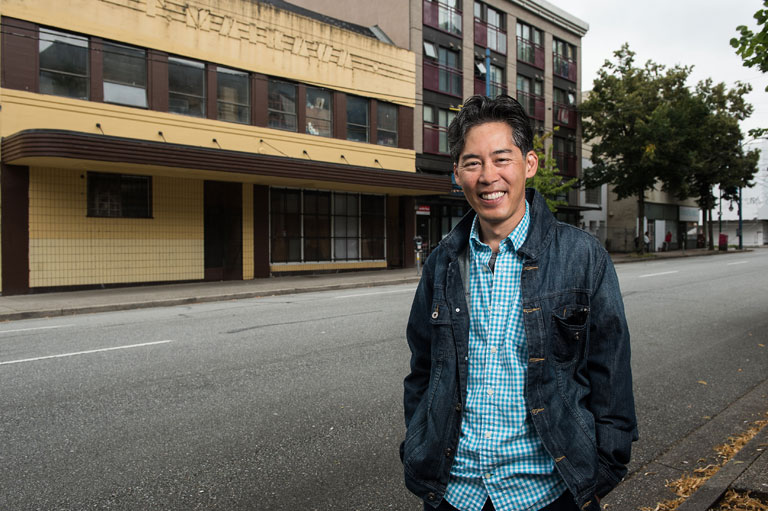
{"x":611,"y":400}
{"x":420,"y":343}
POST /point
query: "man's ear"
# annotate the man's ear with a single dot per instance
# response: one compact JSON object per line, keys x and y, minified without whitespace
{"x":456,"y":174}
{"x":531,"y":164}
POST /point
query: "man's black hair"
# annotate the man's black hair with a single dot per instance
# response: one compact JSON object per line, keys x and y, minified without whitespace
{"x":481,"y":109}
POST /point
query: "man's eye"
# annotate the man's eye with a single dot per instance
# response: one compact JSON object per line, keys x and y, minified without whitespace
{"x":471,"y":164}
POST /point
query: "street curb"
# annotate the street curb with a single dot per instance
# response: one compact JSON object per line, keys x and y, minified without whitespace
{"x":715,"y":487}
{"x":170,"y":302}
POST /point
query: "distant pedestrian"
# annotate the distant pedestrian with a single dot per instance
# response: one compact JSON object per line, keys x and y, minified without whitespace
{"x":520,"y":389}
{"x":668,"y":240}
{"x":647,"y":242}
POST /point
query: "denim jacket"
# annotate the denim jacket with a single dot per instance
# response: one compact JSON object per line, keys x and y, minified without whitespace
{"x":579,"y":383}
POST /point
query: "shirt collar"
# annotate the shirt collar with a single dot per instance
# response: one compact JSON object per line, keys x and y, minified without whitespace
{"x":515,"y":239}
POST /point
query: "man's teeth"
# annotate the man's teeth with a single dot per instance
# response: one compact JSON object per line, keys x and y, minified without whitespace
{"x":491,"y":196}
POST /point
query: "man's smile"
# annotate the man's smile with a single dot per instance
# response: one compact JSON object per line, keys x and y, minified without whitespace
{"x":492,"y":195}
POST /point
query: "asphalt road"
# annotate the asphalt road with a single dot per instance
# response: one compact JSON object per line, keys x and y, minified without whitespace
{"x":294,"y":402}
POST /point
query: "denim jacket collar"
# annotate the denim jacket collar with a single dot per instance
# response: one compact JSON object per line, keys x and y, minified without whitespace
{"x":539,"y":230}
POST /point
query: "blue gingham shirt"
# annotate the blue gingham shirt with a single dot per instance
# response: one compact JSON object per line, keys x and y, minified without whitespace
{"x":500,"y":455}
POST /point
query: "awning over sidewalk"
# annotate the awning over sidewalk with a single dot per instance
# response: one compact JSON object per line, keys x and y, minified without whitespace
{"x":40,"y":147}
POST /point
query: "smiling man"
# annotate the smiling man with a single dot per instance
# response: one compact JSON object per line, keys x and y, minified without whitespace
{"x":519,"y":396}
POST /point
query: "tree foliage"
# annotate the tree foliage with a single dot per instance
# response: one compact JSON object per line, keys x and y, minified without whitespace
{"x":751,"y":46}
{"x":753,"y":49}
{"x":632,"y":118}
{"x":547,"y":180}
{"x":649,"y":128}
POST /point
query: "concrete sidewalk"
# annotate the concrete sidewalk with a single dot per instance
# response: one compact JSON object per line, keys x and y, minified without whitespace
{"x":64,"y":303}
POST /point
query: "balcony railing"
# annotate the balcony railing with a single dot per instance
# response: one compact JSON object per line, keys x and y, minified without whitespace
{"x":441,"y":78}
{"x":442,"y":17}
{"x":564,"y":68}
{"x":530,"y":52}
{"x":565,"y":115}
{"x":489,"y":36}
{"x":534,"y":105}
{"x":435,"y":139}
{"x":496,"y":88}
{"x":566,"y":164}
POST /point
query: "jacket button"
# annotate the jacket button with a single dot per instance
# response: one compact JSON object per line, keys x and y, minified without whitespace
{"x":458,"y":407}
{"x":431,"y":496}
{"x":448,"y":452}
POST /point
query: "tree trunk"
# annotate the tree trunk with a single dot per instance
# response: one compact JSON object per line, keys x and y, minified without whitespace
{"x":709,"y":229}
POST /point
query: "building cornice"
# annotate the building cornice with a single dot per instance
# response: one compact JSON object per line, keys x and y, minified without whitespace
{"x":555,"y":15}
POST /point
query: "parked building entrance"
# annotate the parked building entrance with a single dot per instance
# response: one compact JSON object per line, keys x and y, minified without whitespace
{"x":223,"y":230}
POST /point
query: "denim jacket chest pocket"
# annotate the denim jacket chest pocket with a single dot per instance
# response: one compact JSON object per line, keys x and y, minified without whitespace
{"x":570,"y":328}
{"x":442,"y":329}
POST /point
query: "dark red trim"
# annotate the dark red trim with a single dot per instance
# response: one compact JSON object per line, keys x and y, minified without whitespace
{"x":14,"y":222}
{"x":20,"y":65}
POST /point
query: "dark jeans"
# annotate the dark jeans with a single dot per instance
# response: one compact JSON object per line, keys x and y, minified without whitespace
{"x":564,"y":502}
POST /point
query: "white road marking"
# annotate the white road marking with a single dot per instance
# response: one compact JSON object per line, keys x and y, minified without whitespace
{"x":374,"y":293}
{"x":34,"y":328}
{"x":84,"y":352}
{"x":657,"y":274}
{"x":737,"y":262}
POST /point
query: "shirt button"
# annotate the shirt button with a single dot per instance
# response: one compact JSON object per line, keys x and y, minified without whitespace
{"x":493,"y":349}
{"x":488,"y":435}
{"x":490,"y":392}
{"x":488,"y":475}
{"x":458,"y":310}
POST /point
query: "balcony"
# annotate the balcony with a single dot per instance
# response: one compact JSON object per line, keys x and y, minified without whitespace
{"x":534,"y":105}
{"x":530,"y":52}
{"x":441,"y":78}
{"x":496,"y":88}
{"x":564,"y":68}
{"x":566,"y":164}
{"x":435,"y":139}
{"x":442,"y":17}
{"x":565,"y":115}
{"x":491,"y":37}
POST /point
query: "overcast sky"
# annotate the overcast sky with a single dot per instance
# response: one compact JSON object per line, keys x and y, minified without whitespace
{"x":685,"y":32}
{"x":670,"y":32}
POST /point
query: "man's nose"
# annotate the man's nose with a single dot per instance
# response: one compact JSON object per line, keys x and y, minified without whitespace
{"x":489,"y":173}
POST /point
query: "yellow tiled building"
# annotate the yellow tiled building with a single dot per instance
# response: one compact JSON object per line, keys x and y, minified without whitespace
{"x":160,"y":140}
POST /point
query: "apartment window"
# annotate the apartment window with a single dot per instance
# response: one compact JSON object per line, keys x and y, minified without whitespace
{"x":497,"y":81}
{"x":444,"y":118}
{"x":443,"y":14}
{"x":386,"y":124}
{"x":436,"y":121}
{"x":357,"y":119}
{"x":530,"y":94}
{"x":285,"y":225}
{"x":530,"y":45}
{"x":593,"y":195}
{"x":565,"y":155}
{"x":564,"y":59}
{"x":281,"y":105}
{"x":490,"y":29}
{"x":119,"y":195}
{"x":63,"y":64}
{"x":125,"y":75}
{"x":316,"y":217}
{"x":564,"y":106}
{"x":233,"y":95}
{"x":318,"y":112}
{"x":186,"y":87}
{"x":430,"y":50}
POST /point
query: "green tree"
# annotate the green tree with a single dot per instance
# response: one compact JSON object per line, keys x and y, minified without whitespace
{"x":715,"y":154}
{"x":549,"y":183}
{"x":632,"y":115}
{"x":753,"y":49}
